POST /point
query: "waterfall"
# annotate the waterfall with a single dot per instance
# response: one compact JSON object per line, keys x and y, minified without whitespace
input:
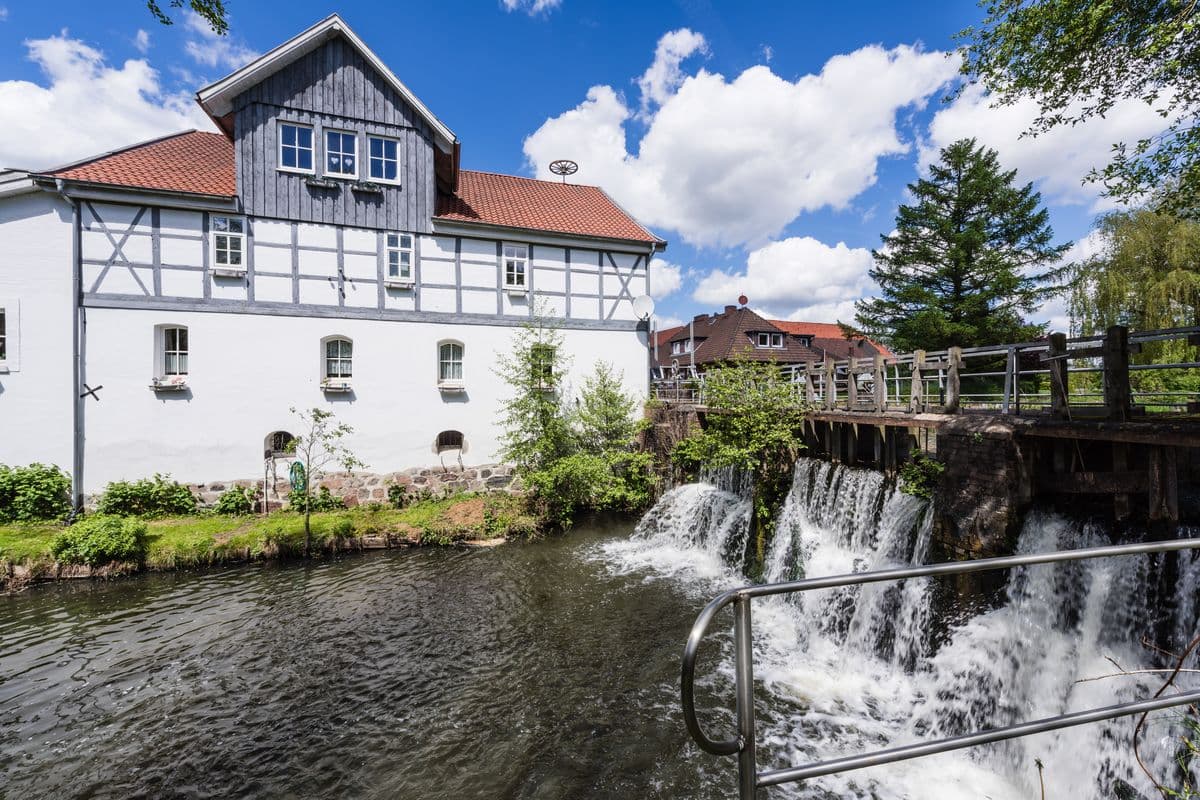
{"x":844,"y":671}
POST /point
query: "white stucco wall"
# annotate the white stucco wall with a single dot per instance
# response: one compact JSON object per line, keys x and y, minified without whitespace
{"x":247,"y":370}
{"x":36,"y":394}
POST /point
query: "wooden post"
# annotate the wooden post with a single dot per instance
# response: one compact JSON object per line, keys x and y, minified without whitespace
{"x":1115,"y":358}
{"x":810,"y":389}
{"x":953,"y":382}
{"x":1059,"y":388}
{"x":1120,"y":463}
{"x":1009,"y":373}
{"x":851,"y":383}
{"x":916,"y":402}
{"x":879,"y":384}
{"x":830,"y":384}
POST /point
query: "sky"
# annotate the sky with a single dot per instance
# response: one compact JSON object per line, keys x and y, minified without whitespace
{"x":770,"y":143}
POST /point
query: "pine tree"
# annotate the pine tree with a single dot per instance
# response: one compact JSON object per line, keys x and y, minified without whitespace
{"x":968,"y":259}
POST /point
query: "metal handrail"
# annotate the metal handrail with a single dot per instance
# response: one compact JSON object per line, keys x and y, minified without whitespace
{"x":750,"y":779}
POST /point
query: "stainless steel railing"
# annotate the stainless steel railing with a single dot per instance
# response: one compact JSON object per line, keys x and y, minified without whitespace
{"x":743,"y":744}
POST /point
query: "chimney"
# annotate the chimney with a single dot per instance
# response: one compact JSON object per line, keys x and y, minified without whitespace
{"x":699,"y":318}
{"x":730,"y":309}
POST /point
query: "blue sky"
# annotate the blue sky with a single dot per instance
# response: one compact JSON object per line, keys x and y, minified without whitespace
{"x":769,"y":143}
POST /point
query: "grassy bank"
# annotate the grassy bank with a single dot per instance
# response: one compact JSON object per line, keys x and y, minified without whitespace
{"x":182,"y":542}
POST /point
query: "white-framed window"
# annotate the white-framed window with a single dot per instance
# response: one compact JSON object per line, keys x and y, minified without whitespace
{"x":398,"y":254}
{"x":542,"y":357}
{"x":450,"y":363}
{"x":339,"y":358}
{"x":229,"y":243}
{"x":341,"y":154}
{"x":174,"y":351}
{"x":383,"y":159}
{"x":770,"y":340}
{"x":516,"y":258}
{"x":296,"y":147}
{"x":681,"y":346}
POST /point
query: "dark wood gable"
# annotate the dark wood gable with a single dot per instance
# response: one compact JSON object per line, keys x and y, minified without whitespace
{"x":333,"y":87}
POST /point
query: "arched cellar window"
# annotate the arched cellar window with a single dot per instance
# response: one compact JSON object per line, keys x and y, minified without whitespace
{"x":449,"y":440}
{"x":278,"y":444}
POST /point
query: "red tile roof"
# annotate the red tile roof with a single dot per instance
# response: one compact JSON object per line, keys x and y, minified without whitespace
{"x":827,"y":331}
{"x":551,"y":206}
{"x":193,"y":162}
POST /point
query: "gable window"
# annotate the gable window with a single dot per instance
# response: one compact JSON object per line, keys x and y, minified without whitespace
{"x":383,"y":159}
{"x":295,"y":147}
{"x":770,"y":340}
{"x":450,"y":364}
{"x":399,"y":255}
{"x":339,"y":359}
{"x":681,"y":346}
{"x":229,"y":244}
{"x":516,"y":257}
{"x":449,"y":440}
{"x":542,"y":362}
{"x":341,"y":154}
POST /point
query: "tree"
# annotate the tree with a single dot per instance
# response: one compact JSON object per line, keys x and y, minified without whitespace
{"x":605,"y":414}
{"x":211,"y":11}
{"x":967,"y":260}
{"x":1146,"y":275}
{"x":1078,"y":58}
{"x":319,"y":446}
{"x":536,"y":426}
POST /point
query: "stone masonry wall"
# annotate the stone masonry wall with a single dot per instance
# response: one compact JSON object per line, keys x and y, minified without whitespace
{"x":984,"y":490}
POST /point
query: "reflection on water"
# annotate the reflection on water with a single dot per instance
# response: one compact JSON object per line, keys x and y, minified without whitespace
{"x":523,"y":671}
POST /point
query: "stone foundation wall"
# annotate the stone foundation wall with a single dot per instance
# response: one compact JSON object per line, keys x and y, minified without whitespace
{"x":357,"y":488}
{"x":983,"y":492}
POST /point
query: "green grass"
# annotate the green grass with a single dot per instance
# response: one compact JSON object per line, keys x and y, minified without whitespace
{"x":182,"y":542}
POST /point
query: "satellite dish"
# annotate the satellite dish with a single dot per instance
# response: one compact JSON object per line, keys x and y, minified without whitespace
{"x":643,"y":306}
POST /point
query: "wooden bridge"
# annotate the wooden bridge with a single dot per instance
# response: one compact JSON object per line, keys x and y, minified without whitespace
{"x":1072,"y":418}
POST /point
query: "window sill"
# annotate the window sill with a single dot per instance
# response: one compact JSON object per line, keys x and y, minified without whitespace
{"x":516,"y":291}
{"x":228,"y":272}
{"x":175,"y":384}
{"x":295,"y":171}
{"x":399,"y":283}
{"x":336,"y":386}
{"x":451,"y":386}
{"x":367,"y":187}
{"x":320,"y":183}
{"x":4,"y":368}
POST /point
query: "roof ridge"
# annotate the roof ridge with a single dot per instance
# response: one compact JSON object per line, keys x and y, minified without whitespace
{"x":534,"y":180}
{"x":84,"y":161}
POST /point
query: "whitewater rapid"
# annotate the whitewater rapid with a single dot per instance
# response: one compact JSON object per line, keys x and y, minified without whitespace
{"x":844,"y":671}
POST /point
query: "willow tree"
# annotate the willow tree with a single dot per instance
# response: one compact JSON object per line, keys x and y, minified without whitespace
{"x":1146,"y":275}
{"x":1077,"y":59}
{"x":968,"y":259}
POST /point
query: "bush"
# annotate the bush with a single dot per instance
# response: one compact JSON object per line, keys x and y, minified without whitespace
{"x":589,"y":482}
{"x":150,"y":497}
{"x":236,"y":501}
{"x":35,"y":492}
{"x":323,"y":500}
{"x":100,"y":539}
{"x":920,"y":476}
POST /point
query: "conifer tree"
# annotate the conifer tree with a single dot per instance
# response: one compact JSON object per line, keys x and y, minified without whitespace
{"x":969,"y":258}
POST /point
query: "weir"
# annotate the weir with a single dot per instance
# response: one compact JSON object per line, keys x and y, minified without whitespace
{"x":852,"y":669}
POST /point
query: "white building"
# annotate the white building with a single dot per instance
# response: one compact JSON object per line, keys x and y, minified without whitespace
{"x":162,"y":307}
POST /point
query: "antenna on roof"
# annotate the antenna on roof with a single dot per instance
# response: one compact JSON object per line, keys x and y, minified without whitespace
{"x":564,"y":167}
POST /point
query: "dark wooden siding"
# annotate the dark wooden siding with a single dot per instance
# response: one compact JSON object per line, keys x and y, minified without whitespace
{"x":332,"y":87}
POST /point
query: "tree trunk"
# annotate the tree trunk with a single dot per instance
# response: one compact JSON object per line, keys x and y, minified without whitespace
{"x":307,"y":526}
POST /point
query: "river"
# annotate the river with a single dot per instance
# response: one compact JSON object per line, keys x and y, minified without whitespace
{"x":550,"y":669}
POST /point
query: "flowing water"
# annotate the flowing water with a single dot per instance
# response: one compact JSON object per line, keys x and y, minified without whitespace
{"x":550,"y":670}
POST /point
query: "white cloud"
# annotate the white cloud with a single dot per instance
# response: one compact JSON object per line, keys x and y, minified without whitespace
{"x":665,"y":278}
{"x":531,"y":7}
{"x":798,"y":278}
{"x":3,"y":13}
{"x":142,"y":41}
{"x":212,"y":50}
{"x":767,"y":52}
{"x":663,"y":76}
{"x":663,"y":322}
{"x":1054,"y":311}
{"x":729,"y":162}
{"x":87,"y":106}
{"x":1057,"y":160}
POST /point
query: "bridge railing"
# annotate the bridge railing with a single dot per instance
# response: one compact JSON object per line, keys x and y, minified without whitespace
{"x":1023,"y":377}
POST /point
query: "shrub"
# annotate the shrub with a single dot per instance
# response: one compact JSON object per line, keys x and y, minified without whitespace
{"x":323,"y":500}
{"x":34,"y":492}
{"x":919,"y":477}
{"x":236,"y":501}
{"x":149,"y":497}
{"x":589,"y":482}
{"x":100,"y":539}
